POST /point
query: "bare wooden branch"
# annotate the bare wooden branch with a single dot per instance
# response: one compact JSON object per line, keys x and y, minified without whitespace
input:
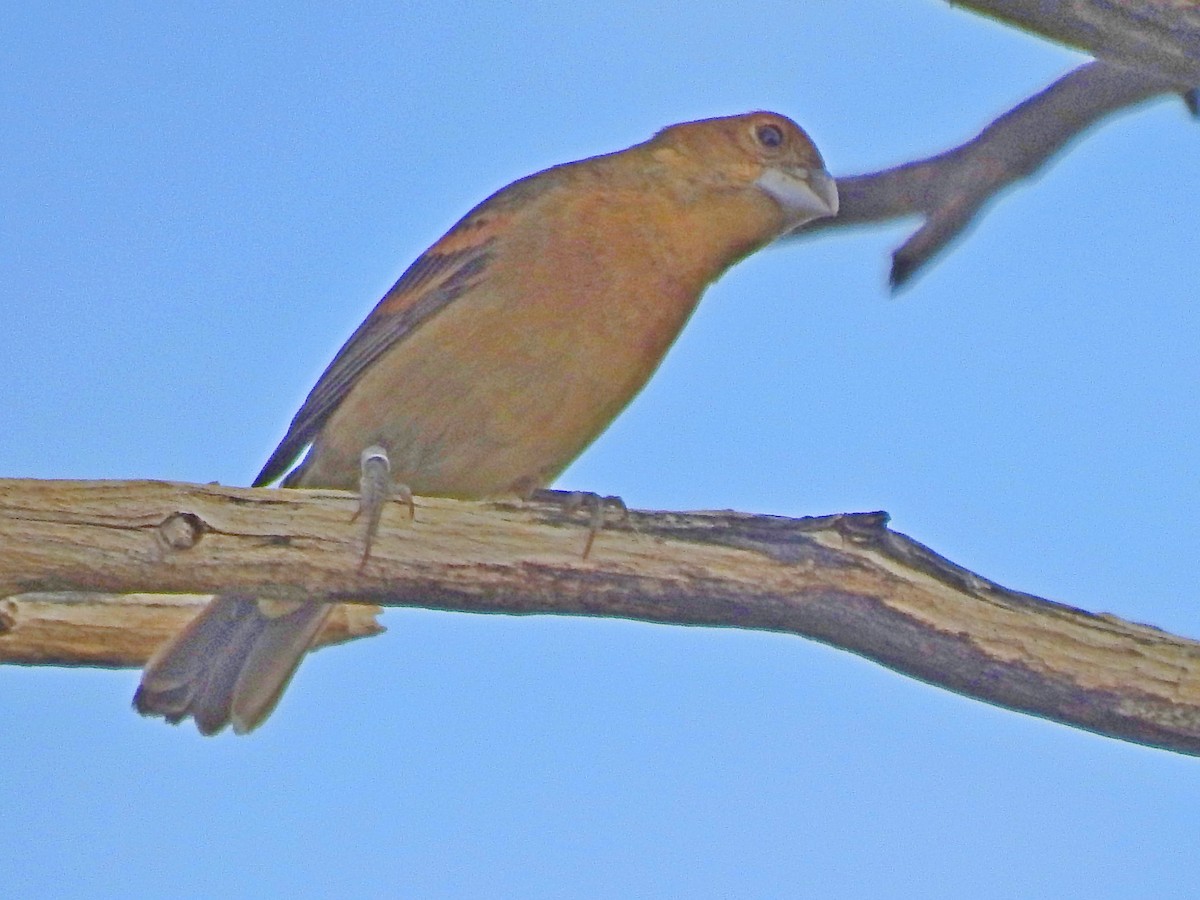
{"x":1155,"y":36}
{"x":951,"y":189}
{"x":845,"y":580}
{"x":122,"y":630}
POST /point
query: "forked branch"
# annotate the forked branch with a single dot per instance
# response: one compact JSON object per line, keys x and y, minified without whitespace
{"x":951,"y":189}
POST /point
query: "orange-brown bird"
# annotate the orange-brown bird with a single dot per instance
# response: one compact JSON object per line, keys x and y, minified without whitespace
{"x":501,"y":353}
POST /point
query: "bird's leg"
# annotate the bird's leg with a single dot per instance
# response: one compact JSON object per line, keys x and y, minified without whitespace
{"x":375,"y":488}
{"x":593,"y":504}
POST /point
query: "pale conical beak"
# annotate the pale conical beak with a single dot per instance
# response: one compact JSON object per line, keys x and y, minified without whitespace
{"x":804,"y":194}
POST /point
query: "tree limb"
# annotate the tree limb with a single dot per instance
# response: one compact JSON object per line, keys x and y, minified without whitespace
{"x":71,"y":628}
{"x":951,"y":189}
{"x":844,"y":580}
{"x":1154,"y":36}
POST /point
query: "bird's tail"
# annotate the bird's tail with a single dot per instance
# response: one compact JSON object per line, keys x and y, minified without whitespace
{"x":230,"y":664}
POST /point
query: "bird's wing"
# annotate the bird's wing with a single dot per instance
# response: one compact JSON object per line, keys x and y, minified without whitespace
{"x":441,"y":274}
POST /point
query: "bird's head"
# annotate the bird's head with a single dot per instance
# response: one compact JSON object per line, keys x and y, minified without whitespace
{"x":763,"y":151}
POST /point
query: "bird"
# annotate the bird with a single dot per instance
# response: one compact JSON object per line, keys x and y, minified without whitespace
{"x":500,"y":354}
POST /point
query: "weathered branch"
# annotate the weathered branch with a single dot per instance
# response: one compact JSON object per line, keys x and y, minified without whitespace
{"x":951,"y":189}
{"x":66,"y":628}
{"x":844,"y":580}
{"x":1154,"y":36}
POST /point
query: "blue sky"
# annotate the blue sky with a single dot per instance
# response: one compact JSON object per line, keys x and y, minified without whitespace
{"x":198,"y":209}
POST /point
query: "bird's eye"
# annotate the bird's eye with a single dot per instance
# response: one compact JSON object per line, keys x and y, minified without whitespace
{"x":770,"y":136}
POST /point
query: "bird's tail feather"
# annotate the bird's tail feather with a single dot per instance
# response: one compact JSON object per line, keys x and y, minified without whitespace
{"x":231,"y":664}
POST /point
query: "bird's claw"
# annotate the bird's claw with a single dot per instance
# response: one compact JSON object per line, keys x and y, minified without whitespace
{"x":375,"y":488}
{"x":595,"y":505}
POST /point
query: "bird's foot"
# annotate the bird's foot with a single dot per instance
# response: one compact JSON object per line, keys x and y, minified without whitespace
{"x":375,"y":488}
{"x":595,"y":505}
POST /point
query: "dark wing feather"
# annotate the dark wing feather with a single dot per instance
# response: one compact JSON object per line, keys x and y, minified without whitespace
{"x":441,"y":274}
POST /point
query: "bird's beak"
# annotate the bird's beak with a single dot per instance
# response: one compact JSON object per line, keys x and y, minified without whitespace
{"x":804,"y":194}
